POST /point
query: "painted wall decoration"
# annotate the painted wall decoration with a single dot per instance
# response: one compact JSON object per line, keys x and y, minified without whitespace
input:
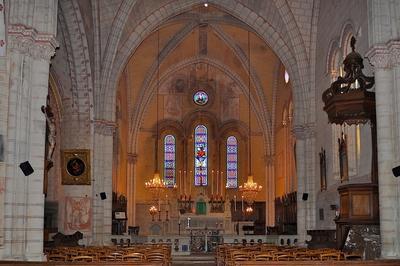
{"x":172,"y":107}
{"x":230,"y":102}
{"x":76,"y":167}
{"x":78,"y":214}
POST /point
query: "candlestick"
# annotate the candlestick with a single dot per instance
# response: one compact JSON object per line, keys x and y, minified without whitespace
{"x":234,"y":200}
{"x":242,"y":204}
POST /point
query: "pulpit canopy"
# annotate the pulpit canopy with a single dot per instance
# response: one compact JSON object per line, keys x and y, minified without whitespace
{"x":348,"y":100}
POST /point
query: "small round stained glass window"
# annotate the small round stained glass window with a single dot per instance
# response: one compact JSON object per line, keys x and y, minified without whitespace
{"x":200,"y":98}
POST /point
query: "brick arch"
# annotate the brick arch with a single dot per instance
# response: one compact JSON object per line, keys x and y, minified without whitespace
{"x":263,"y":28}
{"x":80,"y":64}
{"x":145,"y":97}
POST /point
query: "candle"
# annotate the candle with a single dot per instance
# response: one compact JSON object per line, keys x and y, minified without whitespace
{"x":183,"y":182}
{"x":190,"y":183}
{"x":217,"y":181}
{"x":242,"y":204}
{"x":212,"y":182}
{"x":159,"y":205}
{"x":234,"y":200}
{"x":180,"y":182}
{"x":222,"y":183}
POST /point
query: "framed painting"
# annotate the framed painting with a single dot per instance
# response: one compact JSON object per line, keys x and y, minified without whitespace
{"x":75,"y":167}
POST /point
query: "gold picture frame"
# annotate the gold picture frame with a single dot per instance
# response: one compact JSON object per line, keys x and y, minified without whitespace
{"x":75,"y":167}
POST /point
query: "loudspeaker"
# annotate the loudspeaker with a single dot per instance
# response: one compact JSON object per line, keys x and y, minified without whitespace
{"x":396,"y":171}
{"x":305,"y":196}
{"x":103,"y":195}
{"x":26,"y":168}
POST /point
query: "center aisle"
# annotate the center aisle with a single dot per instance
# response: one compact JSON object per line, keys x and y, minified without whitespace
{"x":201,"y":259}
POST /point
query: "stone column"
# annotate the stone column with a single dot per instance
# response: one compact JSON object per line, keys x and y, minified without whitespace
{"x":131,"y":190}
{"x":270,"y":189}
{"x":305,"y":162}
{"x":102,"y":181}
{"x":384,"y":58}
{"x":29,"y":55}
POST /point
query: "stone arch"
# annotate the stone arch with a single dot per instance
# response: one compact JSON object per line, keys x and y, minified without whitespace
{"x":234,"y":126}
{"x":301,"y":58}
{"x":54,"y":88}
{"x":262,"y":27}
{"x":264,"y":114}
{"x":194,"y":117}
{"x":346,"y":33}
{"x":70,"y":93}
{"x":144,"y":99}
{"x":79,"y":64}
{"x":172,"y":126}
{"x":332,"y":57}
{"x":113,"y":40}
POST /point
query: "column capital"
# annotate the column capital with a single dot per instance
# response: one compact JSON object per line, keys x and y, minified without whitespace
{"x":132,"y":158}
{"x":29,"y":41}
{"x":104,"y":127}
{"x":385,"y":55}
{"x":304,"y":131}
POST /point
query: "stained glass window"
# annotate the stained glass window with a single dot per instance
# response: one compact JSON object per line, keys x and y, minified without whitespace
{"x":200,"y":98}
{"x":231,"y":162}
{"x":200,"y":155}
{"x":169,"y":160}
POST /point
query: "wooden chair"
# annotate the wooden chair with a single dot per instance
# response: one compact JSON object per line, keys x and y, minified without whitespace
{"x":83,"y":258}
{"x":330,"y":256}
{"x":237,"y":256}
{"x":106,"y":258}
{"x":56,"y":257}
{"x":285,"y":257}
{"x":155,"y":256}
{"x":117,"y":255}
{"x":352,"y":256}
{"x":263,"y":256}
{"x":135,"y":256}
{"x":302,"y":255}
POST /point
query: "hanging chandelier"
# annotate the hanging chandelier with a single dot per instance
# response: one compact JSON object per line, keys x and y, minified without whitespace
{"x":156,"y":186}
{"x":249,"y":189}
